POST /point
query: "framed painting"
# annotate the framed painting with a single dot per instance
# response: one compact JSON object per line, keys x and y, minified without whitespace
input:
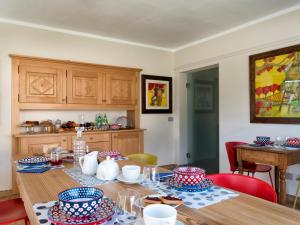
{"x":204,"y":96}
{"x":156,"y":94}
{"x":275,"y":86}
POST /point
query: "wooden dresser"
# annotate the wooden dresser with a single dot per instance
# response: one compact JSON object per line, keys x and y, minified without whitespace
{"x":50,"y":84}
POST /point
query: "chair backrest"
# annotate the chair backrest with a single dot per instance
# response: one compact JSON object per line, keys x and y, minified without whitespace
{"x":231,"y":153}
{"x":245,"y":184}
{"x":144,"y":158}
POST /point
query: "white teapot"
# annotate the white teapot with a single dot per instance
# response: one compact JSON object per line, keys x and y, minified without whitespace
{"x":89,"y":163}
{"x":108,"y":169}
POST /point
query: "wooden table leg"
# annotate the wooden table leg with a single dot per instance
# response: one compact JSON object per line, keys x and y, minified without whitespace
{"x":276,"y":178}
{"x":240,"y":160}
{"x":282,"y":193}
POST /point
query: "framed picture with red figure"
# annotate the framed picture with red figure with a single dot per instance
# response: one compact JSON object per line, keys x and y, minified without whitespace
{"x":156,"y":94}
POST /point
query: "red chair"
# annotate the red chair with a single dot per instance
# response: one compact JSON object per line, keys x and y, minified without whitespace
{"x":12,"y":210}
{"x":249,"y":167}
{"x":245,"y":184}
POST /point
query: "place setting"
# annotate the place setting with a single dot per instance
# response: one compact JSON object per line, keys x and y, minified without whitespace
{"x":262,"y":141}
{"x":89,"y":206}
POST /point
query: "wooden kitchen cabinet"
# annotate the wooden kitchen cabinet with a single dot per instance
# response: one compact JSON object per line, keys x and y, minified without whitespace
{"x":97,"y":142}
{"x":42,"y":83}
{"x":34,"y":145}
{"x":85,"y":86}
{"x":128,"y":142}
{"x":121,"y":87}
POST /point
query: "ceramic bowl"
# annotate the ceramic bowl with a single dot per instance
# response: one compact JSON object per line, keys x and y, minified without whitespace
{"x":263,"y":139}
{"x":293,"y":141}
{"x":80,"y":201}
{"x":187,"y":175}
{"x":111,"y":154}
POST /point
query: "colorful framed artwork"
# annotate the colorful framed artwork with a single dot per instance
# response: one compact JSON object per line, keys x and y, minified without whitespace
{"x":156,"y":94}
{"x":204,"y":96}
{"x":275,"y":86}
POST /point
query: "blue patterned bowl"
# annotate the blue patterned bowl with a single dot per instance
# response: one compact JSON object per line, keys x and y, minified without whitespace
{"x":80,"y":201}
{"x":263,"y":139}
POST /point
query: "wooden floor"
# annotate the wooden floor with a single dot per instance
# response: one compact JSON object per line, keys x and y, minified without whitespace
{"x":289,"y":201}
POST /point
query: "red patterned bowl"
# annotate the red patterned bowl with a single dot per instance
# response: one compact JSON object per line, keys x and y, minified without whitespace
{"x":111,"y":154}
{"x":188,"y":175}
{"x":293,"y":141}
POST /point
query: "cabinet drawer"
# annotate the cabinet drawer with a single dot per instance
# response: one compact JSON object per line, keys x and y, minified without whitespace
{"x":94,"y":137}
{"x":99,"y":146}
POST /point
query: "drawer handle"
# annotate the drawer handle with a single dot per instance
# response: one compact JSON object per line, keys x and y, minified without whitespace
{"x":64,"y":140}
{"x":104,"y":100}
{"x":91,"y":138}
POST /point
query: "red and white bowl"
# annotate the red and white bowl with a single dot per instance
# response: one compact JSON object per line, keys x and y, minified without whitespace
{"x":111,"y":154}
{"x":293,"y":141}
{"x":188,"y":175}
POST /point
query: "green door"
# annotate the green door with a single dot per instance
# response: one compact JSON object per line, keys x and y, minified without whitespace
{"x":203,"y":119}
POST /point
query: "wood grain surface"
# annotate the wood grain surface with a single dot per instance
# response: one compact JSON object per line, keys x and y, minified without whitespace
{"x":244,"y":209}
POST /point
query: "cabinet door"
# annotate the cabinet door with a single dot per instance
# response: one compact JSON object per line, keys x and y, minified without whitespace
{"x":34,"y":145}
{"x":97,"y":142}
{"x":42,"y":84}
{"x":85,"y":86}
{"x":127,"y":142}
{"x":121,"y":87}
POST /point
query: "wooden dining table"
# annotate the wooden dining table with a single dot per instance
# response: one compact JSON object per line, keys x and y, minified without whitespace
{"x":243,"y":209}
{"x":279,"y":157}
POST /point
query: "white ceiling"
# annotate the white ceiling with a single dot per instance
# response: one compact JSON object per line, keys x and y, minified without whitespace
{"x":163,"y":23}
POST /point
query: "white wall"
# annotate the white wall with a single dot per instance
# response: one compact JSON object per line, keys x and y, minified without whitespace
{"x":33,"y":42}
{"x":231,"y":53}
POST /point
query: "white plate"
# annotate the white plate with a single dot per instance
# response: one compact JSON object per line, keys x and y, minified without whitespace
{"x":137,"y":181}
{"x":141,"y":222}
{"x":140,"y":203}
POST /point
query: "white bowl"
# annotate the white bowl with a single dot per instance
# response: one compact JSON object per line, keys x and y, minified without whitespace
{"x":131,"y":172}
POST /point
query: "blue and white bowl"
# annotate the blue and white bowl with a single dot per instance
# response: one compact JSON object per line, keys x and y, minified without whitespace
{"x":80,"y":201}
{"x":263,"y":139}
{"x":34,"y":161}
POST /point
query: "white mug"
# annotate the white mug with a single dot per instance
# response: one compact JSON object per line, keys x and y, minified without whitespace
{"x":159,"y":214}
{"x":131,"y":172}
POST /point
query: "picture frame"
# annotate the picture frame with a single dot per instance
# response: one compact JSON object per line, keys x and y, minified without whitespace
{"x":156,"y":94}
{"x":204,"y":96}
{"x":274,"y":79}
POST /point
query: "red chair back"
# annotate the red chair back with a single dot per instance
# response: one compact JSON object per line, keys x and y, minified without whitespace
{"x":231,"y":153}
{"x":245,"y":184}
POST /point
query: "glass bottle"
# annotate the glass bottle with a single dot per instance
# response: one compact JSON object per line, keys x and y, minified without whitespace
{"x":79,"y":146}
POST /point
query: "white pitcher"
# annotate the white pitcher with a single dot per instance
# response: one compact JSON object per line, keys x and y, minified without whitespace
{"x":89,"y":163}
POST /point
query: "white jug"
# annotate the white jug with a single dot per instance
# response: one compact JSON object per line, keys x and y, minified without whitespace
{"x":89,"y":163}
{"x":108,"y":169}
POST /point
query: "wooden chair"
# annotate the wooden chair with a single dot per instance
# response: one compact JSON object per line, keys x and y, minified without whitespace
{"x":245,"y":184}
{"x":249,"y":167}
{"x":297,"y":191}
{"x":144,"y":158}
{"x":12,"y":210}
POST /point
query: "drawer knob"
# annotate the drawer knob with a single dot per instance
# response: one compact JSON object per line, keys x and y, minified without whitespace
{"x":91,"y":138}
{"x":64,"y":140}
{"x":104,"y":100}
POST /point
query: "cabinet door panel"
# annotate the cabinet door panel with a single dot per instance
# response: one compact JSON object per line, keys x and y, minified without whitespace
{"x":127,"y":143}
{"x":35,"y":145}
{"x":85,"y":87}
{"x":121,"y":87}
{"x":41,"y":84}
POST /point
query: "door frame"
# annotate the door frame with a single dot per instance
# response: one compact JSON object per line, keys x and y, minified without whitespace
{"x":181,"y":128}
